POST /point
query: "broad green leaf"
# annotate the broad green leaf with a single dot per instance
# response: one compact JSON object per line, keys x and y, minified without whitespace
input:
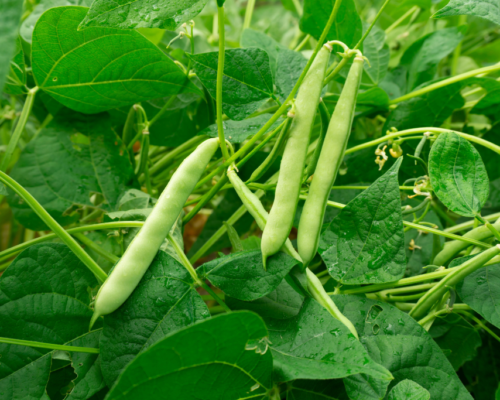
{"x":44,"y":297}
{"x":481,"y":291}
{"x":74,"y":157}
{"x":16,"y":79}
{"x":316,"y":390}
{"x":377,"y":51}
{"x":221,"y":358}
{"x":314,"y":345}
{"x":247,"y":81}
{"x":422,"y":58}
{"x":460,"y":340}
{"x":488,"y":9}
{"x":432,"y":109}
{"x":242,"y":275}
{"x":133,"y":14}
{"x":259,"y":40}
{"x":282,"y":303}
{"x":482,"y":373}
{"x":29,"y":23}
{"x":239,"y":131}
{"x":458,"y":174}
{"x":182,"y":120}
{"x":87,"y":367}
{"x":395,"y":340}
{"x":347,"y":26}
{"x":100,"y":68}
{"x":408,"y":390}
{"x":290,"y":65}
{"x":365,"y":242}
{"x":9,"y":22}
{"x":163,"y":302}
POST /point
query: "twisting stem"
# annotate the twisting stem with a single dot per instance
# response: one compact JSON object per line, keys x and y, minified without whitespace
{"x":220,"y":78}
{"x":21,"y":123}
{"x":54,"y":226}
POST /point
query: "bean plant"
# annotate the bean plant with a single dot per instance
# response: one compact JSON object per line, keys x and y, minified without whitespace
{"x":259,"y":199}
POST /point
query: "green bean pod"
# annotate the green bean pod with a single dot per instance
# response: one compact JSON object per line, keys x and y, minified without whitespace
{"x":451,"y":249}
{"x":328,"y":165}
{"x":256,"y":209}
{"x":282,"y":213}
{"x":140,"y":253}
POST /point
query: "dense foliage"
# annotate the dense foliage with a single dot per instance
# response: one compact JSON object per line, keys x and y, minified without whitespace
{"x":259,"y":199}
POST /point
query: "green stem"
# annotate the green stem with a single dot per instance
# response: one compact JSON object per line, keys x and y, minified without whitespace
{"x":50,"y":346}
{"x":162,"y":111}
{"x":220,"y":78}
{"x":433,"y":316}
{"x":318,"y":292}
{"x":214,"y":296}
{"x":470,"y":224}
{"x":455,"y":276}
{"x":95,"y":247}
{"x":284,"y":106}
{"x":358,"y":45}
{"x":480,"y":323}
{"x":248,"y":14}
{"x":184,"y":259}
{"x":490,"y":227}
{"x":462,"y":20}
{"x":301,"y":45}
{"x":54,"y":226}
{"x":128,"y":128}
{"x":446,"y":82}
{"x":401,"y":19}
{"x":337,"y":69}
{"x":21,"y":123}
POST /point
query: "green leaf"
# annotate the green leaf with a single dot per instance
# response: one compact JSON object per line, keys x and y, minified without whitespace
{"x":347,"y":26}
{"x":239,"y":131}
{"x":87,"y":367}
{"x":399,"y":343}
{"x":163,"y":302}
{"x":408,"y":390}
{"x":458,"y":175}
{"x":16,"y":80}
{"x":74,"y":157}
{"x":242,"y":275}
{"x":222,"y":358}
{"x":422,"y":58}
{"x":459,"y":342}
{"x":9,"y":23}
{"x":29,"y":23}
{"x":365,"y":242}
{"x":481,"y":291}
{"x":3,"y":190}
{"x":259,"y":40}
{"x":316,"y":390}
{"x":377,"y":51}
{"x":247,"y":81}
{"x":282,"y":303}
{"x":314,"y":345}
{"x":487,"y":9}
{"x":133,"y":14}
{"x":432,"y":109}
{"x":100,"y":68}
{"x":44,"y":297}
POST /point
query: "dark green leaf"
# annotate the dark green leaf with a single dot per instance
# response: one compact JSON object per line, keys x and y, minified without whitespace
{"x":242,"y":275}
{"x":133,"y":14}
{"x":289,"y":67}
{"x":459,"y":342}
{"x":163,"y":302}
{"x":222,"y":358}
{"x":239,"y":131}
{"x":100,"y":68}
{"x":488,"y":9}
{"x":9,"y":23}
{"x":29,"y":23}
{"x":378,"y":53}
{"x":282,"y":303}
{"x":73,"y":158}
{"x":408,"y":390}
{"x":399,"y":343}
{"x":458,"y":175}
{"x":365,"y":242}
{"x":314,"y":345}
{"x":347,"y":26}
{"x":259,"y":40}
{"x":422,"y":58}
{"x":44,"y":297}
{"x":316,"y":390}
{"x":247,"y":82}
{"x":481,"y":291}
